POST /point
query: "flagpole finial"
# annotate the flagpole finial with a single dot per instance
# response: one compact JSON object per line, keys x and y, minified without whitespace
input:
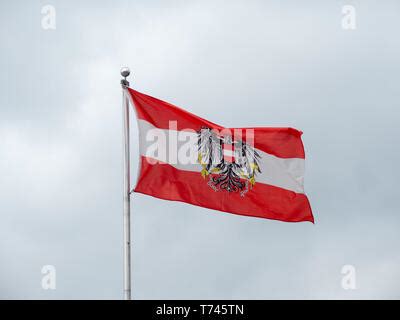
{"x":125,"y":72}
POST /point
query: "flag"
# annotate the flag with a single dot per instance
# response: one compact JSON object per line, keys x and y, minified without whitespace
{"x":247,"y":171}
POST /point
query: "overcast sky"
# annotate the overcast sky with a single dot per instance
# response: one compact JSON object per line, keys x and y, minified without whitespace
{"x":236,"y":63}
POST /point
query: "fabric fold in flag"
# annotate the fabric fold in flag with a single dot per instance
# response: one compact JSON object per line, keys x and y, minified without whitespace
{"x":255,"y":172}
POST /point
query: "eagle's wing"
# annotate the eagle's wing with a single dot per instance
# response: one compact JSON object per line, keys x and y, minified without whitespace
{"x":247,"y":159}
{"x":209,"y":150}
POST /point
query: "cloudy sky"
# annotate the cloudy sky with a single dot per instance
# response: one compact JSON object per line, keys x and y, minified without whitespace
{"x":237,"y":63}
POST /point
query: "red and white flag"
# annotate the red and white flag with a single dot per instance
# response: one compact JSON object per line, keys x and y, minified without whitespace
{"x":248,"y":171}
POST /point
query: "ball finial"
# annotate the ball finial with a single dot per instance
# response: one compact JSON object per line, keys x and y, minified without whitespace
{"x":125,"y":72}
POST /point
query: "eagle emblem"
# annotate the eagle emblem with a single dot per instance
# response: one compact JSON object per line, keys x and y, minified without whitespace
{"x":231,"y":165}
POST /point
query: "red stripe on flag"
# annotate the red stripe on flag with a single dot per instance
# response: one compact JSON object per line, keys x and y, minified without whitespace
{"x":281,"y":142}
{"x":264,"y":201}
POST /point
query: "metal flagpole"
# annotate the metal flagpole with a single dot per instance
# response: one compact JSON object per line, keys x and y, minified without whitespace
{"x":127,"y":201}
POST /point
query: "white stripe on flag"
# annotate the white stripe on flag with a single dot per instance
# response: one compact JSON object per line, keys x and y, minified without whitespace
{"x":286,"y":173}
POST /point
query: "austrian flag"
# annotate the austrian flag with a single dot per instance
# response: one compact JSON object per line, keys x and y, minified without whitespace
{"x":248,"y":171}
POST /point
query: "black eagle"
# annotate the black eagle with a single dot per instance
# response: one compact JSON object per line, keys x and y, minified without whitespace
{"x":230,"y":176}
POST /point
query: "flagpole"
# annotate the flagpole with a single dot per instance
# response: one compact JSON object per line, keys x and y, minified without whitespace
{"x":127,"y":201}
